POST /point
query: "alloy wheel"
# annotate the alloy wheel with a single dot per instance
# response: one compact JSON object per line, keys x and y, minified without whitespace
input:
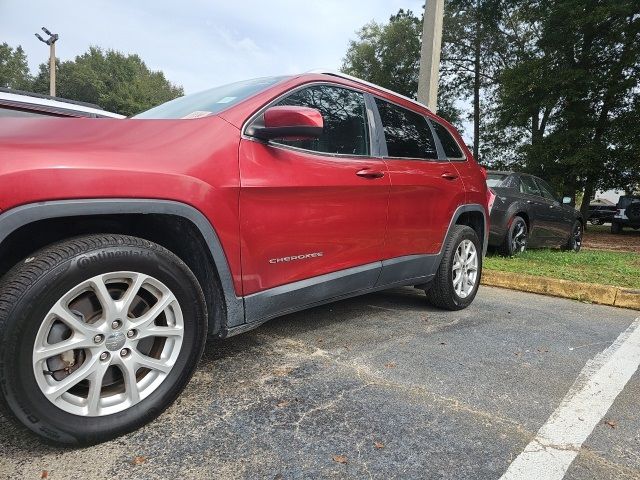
{"x":577,"y":236}
{"x":519,"y":237}
{"x":108,"y":343}
{"x":465,"y":268}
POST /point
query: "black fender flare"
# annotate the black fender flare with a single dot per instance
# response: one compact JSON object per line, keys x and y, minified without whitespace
{"x":13,"y":219}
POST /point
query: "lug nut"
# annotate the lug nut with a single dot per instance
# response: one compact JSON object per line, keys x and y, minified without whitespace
{"x":131,"y":333}
{"x":98,"y":338}
{"x":104,"y":356}
{"x":124,"y":352}
{"x":116,"y":324}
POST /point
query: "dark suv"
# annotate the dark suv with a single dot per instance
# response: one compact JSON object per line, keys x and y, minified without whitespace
{"x":628,"y":214}
{"x":124,"y":243}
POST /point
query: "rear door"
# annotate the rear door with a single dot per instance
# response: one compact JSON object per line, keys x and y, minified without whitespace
{"x":426,"y":189}
{"x":540,"y":226}
{"x":559,"y":218}
{"x":314,"y":207}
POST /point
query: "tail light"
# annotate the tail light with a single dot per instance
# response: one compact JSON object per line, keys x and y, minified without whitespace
{"x":491,"y":197}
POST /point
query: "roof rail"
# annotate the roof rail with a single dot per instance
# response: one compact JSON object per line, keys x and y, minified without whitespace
{"x":49,"y":97}
{"x":369,"y":84}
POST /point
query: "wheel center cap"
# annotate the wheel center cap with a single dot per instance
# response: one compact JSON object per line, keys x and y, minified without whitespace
{"x":115,"y":341}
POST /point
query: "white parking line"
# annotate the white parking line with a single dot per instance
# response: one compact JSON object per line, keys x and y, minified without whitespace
{"x":558,"y":442}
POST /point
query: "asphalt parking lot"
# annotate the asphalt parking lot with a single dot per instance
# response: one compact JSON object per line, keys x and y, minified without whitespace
{"x":380,"y":386}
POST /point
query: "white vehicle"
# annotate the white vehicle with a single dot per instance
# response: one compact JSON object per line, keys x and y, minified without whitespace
{"x":16,"y":103}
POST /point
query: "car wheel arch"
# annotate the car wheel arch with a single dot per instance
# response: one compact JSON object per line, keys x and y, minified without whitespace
{"x":14,"y":219}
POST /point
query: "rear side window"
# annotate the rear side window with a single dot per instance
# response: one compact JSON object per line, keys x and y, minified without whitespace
{"x":496,"y":179}
{"x":407,"y":133}
{"x":449,"y":144}
{"x":528,"y":186}
{"x":346,"y":130}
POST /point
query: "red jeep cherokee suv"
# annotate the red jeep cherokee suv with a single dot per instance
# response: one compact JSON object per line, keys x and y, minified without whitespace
{"x":124,"y":243}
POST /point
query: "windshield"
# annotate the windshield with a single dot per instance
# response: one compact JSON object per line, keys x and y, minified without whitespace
{"x":210,"y":101}
{"x":495,"y":179}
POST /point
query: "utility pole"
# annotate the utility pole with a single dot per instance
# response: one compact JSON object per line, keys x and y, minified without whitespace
{"x":51,"y":41}
{"x":430,"y":53}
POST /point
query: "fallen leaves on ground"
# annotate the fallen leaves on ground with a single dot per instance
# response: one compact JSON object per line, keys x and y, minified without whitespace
{"x":45,"y":474}
{"x":340,"y":458}
{"x":139,"y":460}
{"x":611,"y":423}
{"x":378,"y":445}
{"x":283,"y":403}
{"x":390,"y":365}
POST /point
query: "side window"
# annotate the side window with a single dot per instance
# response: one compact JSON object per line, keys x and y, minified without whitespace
{"x":407,"y":133}
{"x":449,"y":144}
{"x":528,"y":186}
{"x":546,"y":189}
{"x":344,"y":114}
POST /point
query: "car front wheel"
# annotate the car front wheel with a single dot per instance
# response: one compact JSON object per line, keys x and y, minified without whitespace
{"x":575,"y":240}
{"x":458,"y":277}
{"x":515,"y":241}
{"x":98,"y":335}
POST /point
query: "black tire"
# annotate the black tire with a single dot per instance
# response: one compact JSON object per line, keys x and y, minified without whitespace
{"x":574,"y":243}
{"x":517,"y":237}
{"x":616,"y":228}
{"x":33,"y":286}
{"x":441,"y":292}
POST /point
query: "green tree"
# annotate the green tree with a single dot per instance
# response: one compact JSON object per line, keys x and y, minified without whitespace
{"x":389,"y":55}
{"x":14,"y":70}
{"x":114,"y":81}
{"x":576,"y":92}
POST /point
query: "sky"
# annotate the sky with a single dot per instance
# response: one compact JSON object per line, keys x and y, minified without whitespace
{"x":197,"y":43}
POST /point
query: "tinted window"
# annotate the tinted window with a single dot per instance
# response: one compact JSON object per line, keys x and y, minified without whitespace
{"x":407,"y":133}
{"x":546,"y":189}
{"x":528,"y":186}
{"x":210,"y":101}
{"x":345,"y":120}
{"x":449,"y":144}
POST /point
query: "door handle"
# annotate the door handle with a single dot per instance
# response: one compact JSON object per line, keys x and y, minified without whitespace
{"x":368,"y":173}
{"x":449,"y":176}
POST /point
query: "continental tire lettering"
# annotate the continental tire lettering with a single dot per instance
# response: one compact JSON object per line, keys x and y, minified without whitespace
{"x":87,"y":260}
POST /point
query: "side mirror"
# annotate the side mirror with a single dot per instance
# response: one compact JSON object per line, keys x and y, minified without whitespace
{"x":566,"y":200}
{"x":287,"y":122}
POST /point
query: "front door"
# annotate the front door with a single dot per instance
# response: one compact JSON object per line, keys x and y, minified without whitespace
{"x":313,"y":212}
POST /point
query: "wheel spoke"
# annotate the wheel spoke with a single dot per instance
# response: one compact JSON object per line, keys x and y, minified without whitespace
{"x":54,"y":391}
{"x":51,"y":350}
{"x":73,"y":322}
{"x":130,"y":382}
{"x":145,"y":361}
{"x":95,"y":387}
{"x":156,"y":331}
{"x":124,"y":303}
{"x":107,"y":303}
{"x":149,"y":317}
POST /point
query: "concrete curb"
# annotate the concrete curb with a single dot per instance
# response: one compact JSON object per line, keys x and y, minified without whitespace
{"x":586,"y":292}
